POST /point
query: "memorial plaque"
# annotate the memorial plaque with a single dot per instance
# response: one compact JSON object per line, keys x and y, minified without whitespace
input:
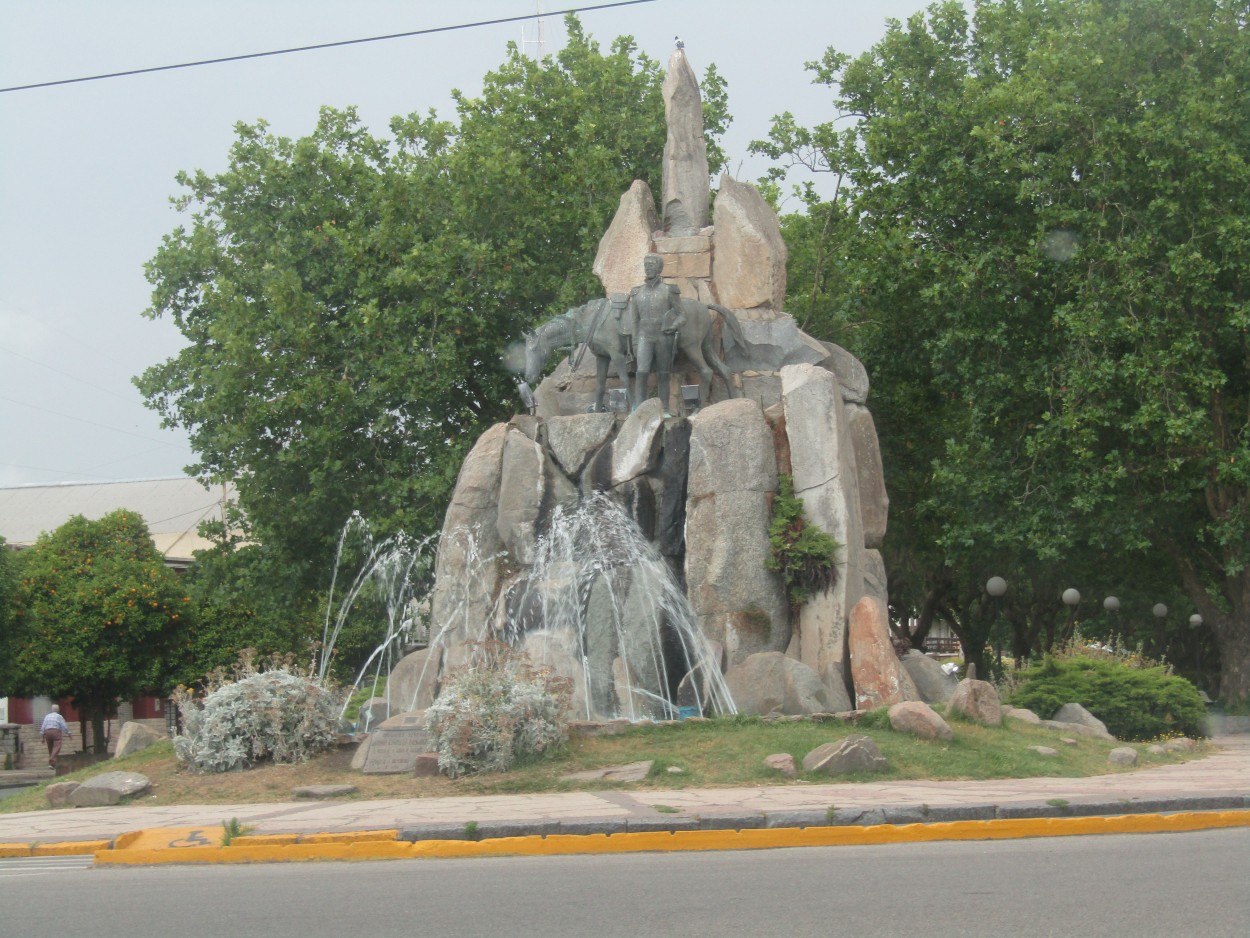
{"x":396,"y":743}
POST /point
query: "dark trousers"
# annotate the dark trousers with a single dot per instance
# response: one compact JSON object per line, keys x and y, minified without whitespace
{"x":53,"y":738}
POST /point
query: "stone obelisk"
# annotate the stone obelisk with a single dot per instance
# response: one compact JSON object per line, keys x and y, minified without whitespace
{"x":686,"y":192}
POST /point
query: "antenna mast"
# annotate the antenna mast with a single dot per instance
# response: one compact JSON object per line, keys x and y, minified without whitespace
{"x":540,"y":40}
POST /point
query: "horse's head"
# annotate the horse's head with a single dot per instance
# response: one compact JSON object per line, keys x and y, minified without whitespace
{"x":535,"y":357}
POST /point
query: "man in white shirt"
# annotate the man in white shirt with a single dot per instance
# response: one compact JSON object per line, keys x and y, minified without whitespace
{"x":54,"y":729}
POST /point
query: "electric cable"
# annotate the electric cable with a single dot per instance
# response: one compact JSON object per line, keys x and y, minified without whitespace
{"x":322,"y":45}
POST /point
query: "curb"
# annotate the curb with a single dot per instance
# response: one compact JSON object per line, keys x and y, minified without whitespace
{"x":188,"y":845}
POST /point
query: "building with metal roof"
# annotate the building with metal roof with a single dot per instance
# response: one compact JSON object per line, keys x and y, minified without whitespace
{"x":172,"y":508}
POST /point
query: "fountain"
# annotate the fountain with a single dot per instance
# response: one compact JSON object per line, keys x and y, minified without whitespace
{"x":628,"y":551}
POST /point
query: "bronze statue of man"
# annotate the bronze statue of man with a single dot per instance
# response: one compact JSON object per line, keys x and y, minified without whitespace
{"x":653,"y":317}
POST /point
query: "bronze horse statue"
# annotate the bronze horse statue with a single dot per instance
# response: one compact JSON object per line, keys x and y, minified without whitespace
{"x":595,"y":325}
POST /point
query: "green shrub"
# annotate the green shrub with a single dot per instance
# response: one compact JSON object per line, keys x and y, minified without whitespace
{"x":374,"y":687}
{"x":1135,"y":703}
{"x":280,"y":714}
{"x":489,"y":716}
{"x":804,"y":555}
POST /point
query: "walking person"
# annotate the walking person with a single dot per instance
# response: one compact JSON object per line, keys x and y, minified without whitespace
{"x":54,"y":729}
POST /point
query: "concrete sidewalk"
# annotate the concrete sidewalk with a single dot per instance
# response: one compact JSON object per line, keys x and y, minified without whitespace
{"x":1217,"y":782}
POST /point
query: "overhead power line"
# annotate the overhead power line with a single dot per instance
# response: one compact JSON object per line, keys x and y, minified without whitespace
{"x":323,"y":45}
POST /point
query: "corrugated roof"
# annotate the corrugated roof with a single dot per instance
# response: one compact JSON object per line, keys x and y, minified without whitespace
{"x":172,"y":508}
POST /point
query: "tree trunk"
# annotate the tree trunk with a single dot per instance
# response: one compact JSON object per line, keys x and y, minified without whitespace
{"x":1232,"y":637}
{"x":1231,"y":630}
{"x":95,"y":711}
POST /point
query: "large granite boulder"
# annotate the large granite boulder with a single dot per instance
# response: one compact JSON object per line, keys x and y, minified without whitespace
{"x":773,"y":341}
{"x":851,"y":373}
{"x":875,"y":583}
{"x":771,"y":682}
{"x":372,"y":712}
{"x":874,"y":502}
{"x":749,"y":270}
{"x":531,"y":486}
{"x":618,"y":263}
{"x":736,"y":600}
{"x":978,"y":701}
{"x":685,"y":195}
{"x":636,"y":449}
{"x":855,"y":753}
{"x":1075,"y":713}
{"x":558,"y":650}
{"x":573,"y":440}
{"x":823,"y":468}
{"x":413,"y":684}
{"x":108,"y":788}
{"x":919,"y":719}
{"x":466,"y":578}
{"x":879,"y":677}
{"x":135,"y":737}
{"x":932,"y":683}
{"x":58,"y":794}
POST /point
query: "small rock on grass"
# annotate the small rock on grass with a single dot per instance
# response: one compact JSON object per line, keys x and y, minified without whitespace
{"x":1044,"y":750}
{"x":781,"y":762}
{"x":1180,"y":744}
{"x":1122,"y":755}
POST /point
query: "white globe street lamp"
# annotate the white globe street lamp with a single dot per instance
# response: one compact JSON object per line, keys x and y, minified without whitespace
{"x":996,"y":586}
{"x":1071,"y":597}
{"x":1111,"y":604}
{"x":1160,"y":611}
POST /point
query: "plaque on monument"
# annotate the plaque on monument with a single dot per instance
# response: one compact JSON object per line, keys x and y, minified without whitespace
{"x":396,"y":743}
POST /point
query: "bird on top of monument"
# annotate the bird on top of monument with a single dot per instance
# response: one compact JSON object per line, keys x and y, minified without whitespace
{"x":680,"y":44}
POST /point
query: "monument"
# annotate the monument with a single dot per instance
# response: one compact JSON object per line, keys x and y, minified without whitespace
{"x":627,"y":550}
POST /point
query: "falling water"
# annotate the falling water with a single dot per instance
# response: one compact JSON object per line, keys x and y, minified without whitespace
{"x":599,"y":593}
{"x":392,"y":571}
{"x":598,"y":605}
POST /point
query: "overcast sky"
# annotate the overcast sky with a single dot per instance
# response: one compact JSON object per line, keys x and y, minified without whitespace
{"x":87,"y":169}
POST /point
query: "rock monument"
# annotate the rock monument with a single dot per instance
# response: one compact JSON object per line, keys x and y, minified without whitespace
{"x":628,"y":550}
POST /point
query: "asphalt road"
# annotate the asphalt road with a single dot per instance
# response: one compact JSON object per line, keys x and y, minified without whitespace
{"x":1140,"y":886}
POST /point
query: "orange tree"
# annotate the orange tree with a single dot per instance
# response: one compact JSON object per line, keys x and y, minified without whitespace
{"x":98,"y":615}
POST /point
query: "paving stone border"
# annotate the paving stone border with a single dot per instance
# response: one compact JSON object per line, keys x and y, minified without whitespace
{"x":839,"y":817}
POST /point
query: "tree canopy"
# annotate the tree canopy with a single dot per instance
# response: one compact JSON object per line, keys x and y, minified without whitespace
{"x":1040,"y":250}
{"x":8,"y":607}
{"x":347,"y":298}
{"x":98,"y":614}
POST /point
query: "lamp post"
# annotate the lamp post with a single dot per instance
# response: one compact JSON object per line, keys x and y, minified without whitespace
{"x":1195,"y":622}
{"x":1112,"y":605}
{"x":1160,"y":611}
{"x":996,"y":586}
{"x":1071,"y":599}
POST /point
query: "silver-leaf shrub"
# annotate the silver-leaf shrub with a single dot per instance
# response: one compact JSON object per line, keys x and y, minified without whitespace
{"x":281,"y":714}
{"x":502,"y":709}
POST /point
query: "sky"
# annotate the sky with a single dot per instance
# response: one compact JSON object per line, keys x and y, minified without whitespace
{"x":87,"y":169}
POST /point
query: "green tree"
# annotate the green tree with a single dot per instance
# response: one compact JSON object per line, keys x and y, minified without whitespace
{"x":99,"y":615}
{"x":347,"y":299}
{"x":1049,"y":205}
{"x":243,"y":597}
{"x":8,"y":612}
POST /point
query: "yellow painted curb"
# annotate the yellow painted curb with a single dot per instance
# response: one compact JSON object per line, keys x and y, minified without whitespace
{"x":14,"y":850}
{"x":277,"y":853}
{"x":264,"y":840}
{"x":69,"y":848}
{"x":353,"y":837}
{"x":378,"y":845}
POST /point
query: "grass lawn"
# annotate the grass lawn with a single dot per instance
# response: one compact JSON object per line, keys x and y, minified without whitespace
{"x":715,"y":753}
